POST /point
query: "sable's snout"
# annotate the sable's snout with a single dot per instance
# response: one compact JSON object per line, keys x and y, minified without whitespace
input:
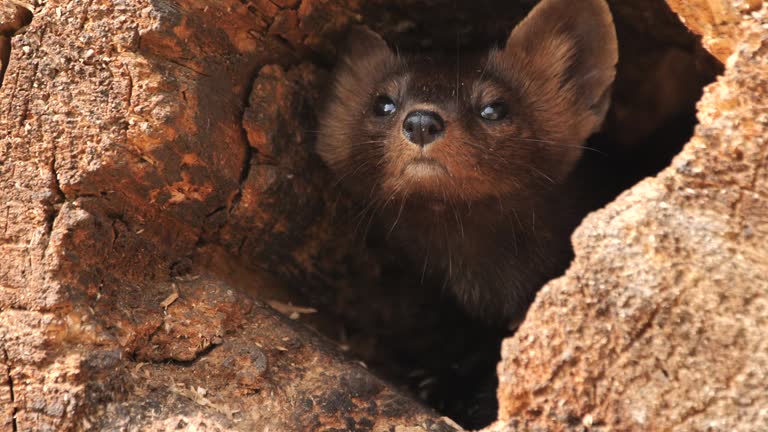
{"x":423,"y":127}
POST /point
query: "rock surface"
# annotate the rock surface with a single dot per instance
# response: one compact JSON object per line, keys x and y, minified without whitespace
{"x":721,"y":23}
{"x":129,"y":144}
{"x":660,"y":322}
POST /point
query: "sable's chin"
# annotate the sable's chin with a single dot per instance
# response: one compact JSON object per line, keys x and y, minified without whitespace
{"x":425,"y":175}
{"x":424,"y":169}
{"x":421,"y":182}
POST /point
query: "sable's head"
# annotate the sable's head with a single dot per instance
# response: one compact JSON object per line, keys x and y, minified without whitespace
{"x":505,"y":123}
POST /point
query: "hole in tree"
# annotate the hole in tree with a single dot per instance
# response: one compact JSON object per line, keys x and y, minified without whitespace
{"x":415,"y":336}
{"x":423,"y":342}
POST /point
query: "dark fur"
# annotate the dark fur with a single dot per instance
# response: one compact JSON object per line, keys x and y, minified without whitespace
{"x":492,"y":211}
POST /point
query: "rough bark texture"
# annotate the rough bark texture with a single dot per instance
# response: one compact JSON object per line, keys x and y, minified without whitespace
{"x":719,"y":22}
{"x":126,"y":146}
{"x":147,"y":148}
{"x":660,"y":322}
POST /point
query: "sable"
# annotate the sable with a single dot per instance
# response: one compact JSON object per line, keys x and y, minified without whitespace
{"x":467,"y":167}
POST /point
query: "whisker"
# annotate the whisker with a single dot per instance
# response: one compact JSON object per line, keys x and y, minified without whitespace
{"x":517,"y":217}
{"x":350,"y":173}
{"x":426,"y":262}
{"x":450,"y":254}
{"x":537,"y":171}
{"x":368,"y":206}
{"x":458,"y":218}
{"x":556,"y":144}
{"x":458,"y":62}
{"x":485,"y":150}
{"x":400,"y":211}
{"x":537,"y":141}
{"x":370,"y":219}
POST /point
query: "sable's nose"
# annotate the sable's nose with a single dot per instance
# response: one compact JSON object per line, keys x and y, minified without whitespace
{"x":423,"y":127}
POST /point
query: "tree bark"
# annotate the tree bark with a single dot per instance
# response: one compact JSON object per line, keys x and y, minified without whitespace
{"x":133,"y":135}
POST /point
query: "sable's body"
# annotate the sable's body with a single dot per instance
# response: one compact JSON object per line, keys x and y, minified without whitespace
{"x":492,"y":259}
{"x":467,"y":165}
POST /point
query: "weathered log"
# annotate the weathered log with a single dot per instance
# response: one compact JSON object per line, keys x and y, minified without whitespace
{"x":124,"y":151}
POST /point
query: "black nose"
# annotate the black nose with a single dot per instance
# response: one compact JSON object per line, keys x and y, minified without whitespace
{"x":423,"y":127}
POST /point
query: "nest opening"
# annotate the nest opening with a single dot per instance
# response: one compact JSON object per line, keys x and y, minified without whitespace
{"x":427,"y":345}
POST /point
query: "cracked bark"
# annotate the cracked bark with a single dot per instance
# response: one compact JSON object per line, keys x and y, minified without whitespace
{"x":153,"y":203}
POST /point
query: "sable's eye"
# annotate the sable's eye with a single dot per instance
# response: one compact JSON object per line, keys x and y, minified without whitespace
{"x":494,"y":111}
{"x":384,"y":106}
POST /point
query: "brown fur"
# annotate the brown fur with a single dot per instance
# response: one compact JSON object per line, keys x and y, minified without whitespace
{"x":490,"y":210}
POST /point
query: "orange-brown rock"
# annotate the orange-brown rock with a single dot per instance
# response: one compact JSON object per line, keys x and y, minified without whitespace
{"x":660,"y":322}
{"x":719,"y":22}
{"x":124,"y":150}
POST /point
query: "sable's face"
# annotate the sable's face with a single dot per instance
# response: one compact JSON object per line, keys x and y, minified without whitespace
{"x":419,"y":132}
{"x":446,"y":132}
{"x":508,"y":123}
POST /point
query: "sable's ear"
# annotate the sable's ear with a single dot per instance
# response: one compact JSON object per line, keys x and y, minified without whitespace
{"x":363,"y":60}
{"x":365,"y":52}
{"x":362,"y":41}
{"x":574,"y":44}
